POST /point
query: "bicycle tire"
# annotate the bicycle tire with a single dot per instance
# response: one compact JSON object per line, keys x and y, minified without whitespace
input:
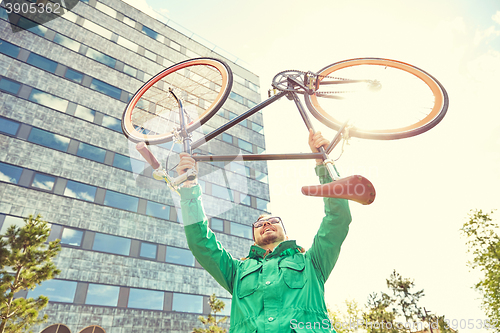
{"x":152,"y":115}
{"x":427,"y":85}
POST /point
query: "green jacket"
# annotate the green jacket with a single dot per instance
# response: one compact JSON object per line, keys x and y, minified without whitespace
{"x":282,"y":291}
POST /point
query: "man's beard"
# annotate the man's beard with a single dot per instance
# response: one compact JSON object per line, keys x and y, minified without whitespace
{"x":270,"y":240}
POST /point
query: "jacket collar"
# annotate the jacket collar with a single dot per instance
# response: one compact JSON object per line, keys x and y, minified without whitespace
{"x":284,"y":248}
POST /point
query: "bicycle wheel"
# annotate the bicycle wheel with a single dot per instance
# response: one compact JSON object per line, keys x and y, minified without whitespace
{"x":385,"y":99}
{"x":202,"y":85}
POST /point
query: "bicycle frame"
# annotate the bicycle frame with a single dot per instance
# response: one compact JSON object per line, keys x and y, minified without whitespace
{"x":322,"y":154}
{"x":346,"y":185}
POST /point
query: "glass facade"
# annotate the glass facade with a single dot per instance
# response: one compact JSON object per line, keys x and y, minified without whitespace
{"x":67,"y":130}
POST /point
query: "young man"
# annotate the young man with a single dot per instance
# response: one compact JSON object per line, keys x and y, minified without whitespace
{"x":279,"y":287}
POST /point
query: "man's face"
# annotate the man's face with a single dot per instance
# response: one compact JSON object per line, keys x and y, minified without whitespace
{"x":269,"y":232}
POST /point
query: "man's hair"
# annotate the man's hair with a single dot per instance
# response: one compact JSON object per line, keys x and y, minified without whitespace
{"x":263,"y":215}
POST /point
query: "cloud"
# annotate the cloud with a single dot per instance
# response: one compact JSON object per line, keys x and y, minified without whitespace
{"x":5,"y":178}
{"x":496,"y":17}
{"x":485,"y":35}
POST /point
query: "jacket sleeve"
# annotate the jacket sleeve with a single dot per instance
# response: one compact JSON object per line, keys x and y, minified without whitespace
{"x":202,"y":241}
{"x":325,"y":249}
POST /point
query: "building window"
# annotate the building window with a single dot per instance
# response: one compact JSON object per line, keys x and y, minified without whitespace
{"x":42,"y":62}
{"x":245,"y":145}
{"x":227,"y":306}
{"x":10,"y":221}
{"x":80,"y":191}
{"x":73,"y":75}
{"x":187,"y":303}
{"x":8,"y":126}
{"x":101,"y":57}
{"x":127,"y":163}
{"x":111,"y":244}
{"x":150,"y":55}
{"x":48,"y":100}
{"x":9,"y":49}
{"x":251,"y":104}
{"x":216,"y":224}
{"x":99,"y":294}
{"x":71,"y":237}
{"x":261,"y":204}
{"x":43,"y":182}
{"x":67,"y":42}
{"x":232,"y":115}
{"x":91,"y":152}
{"x":129,"y":70}
{"x":245,"y":199}
{"x":127,"y":44}
{"x":236,"y":97}
{"x":129,"y":21}
{"x":240,"y":169}
{"x":48,"y":139}
{"x":121,"y":201}
{"x":145,"y":299}
{"x":112,"y":123}
{"x":158,"y":210}
{"x":9,"y":86}
{"x":97,"y":29}
{"x":84,"y":113}
{"x":10,"y":173}
{"x":31,"y":26}
{"x":222,"y":192}
{"x":151,"y":33}
{"x":227,"y":138}
{"x":241,"y":230}
{"x":254,"y":87}
{"x":260,"y":176}
{"x":239,"y":79}
{"x":105,"y":9}
{"x":105,"y":88}
{"x":148,"y":250}
{"x":257,"y":128}
{"x":176,"y":255}
{"x":55,"y":290}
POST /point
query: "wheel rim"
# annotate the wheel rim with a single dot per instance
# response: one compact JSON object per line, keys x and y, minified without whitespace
{"x":432,"y":85}
{"x":202,"y":84}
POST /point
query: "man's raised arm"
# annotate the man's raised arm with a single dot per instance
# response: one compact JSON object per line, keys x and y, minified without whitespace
{"x":201,"y":240}
{"x":333,"y":230}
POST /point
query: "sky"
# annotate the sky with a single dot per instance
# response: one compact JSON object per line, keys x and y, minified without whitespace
{"x":426,"y":185}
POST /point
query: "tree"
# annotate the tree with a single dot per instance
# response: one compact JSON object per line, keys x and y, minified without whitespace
{"x":25,"y":262}
{"x":346,"y":322}
{"x":399,"y":311}
{"x":378,"y":318}
{"x":483,"y":241}
{"x":216,"y":305}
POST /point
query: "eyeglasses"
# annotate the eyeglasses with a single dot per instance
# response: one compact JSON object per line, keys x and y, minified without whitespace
{"x":261,"y":222}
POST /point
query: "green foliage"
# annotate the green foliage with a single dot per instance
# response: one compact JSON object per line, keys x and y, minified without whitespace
{"x":346,"y":322}
{"x":379,"y":312}
{"x":25,"y":262}
{"x":216,"y":305}
{"x":483,"y":242}
{"x":404,"y":298}
{"x":397,"y":311}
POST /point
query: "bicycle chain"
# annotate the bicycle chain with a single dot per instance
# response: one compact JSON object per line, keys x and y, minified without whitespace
{"x":316,"y":76}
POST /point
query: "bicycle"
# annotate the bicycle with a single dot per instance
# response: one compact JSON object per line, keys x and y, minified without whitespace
{"x":178,"y":100}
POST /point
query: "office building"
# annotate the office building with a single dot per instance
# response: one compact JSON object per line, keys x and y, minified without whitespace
{"x":125,"y":265}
